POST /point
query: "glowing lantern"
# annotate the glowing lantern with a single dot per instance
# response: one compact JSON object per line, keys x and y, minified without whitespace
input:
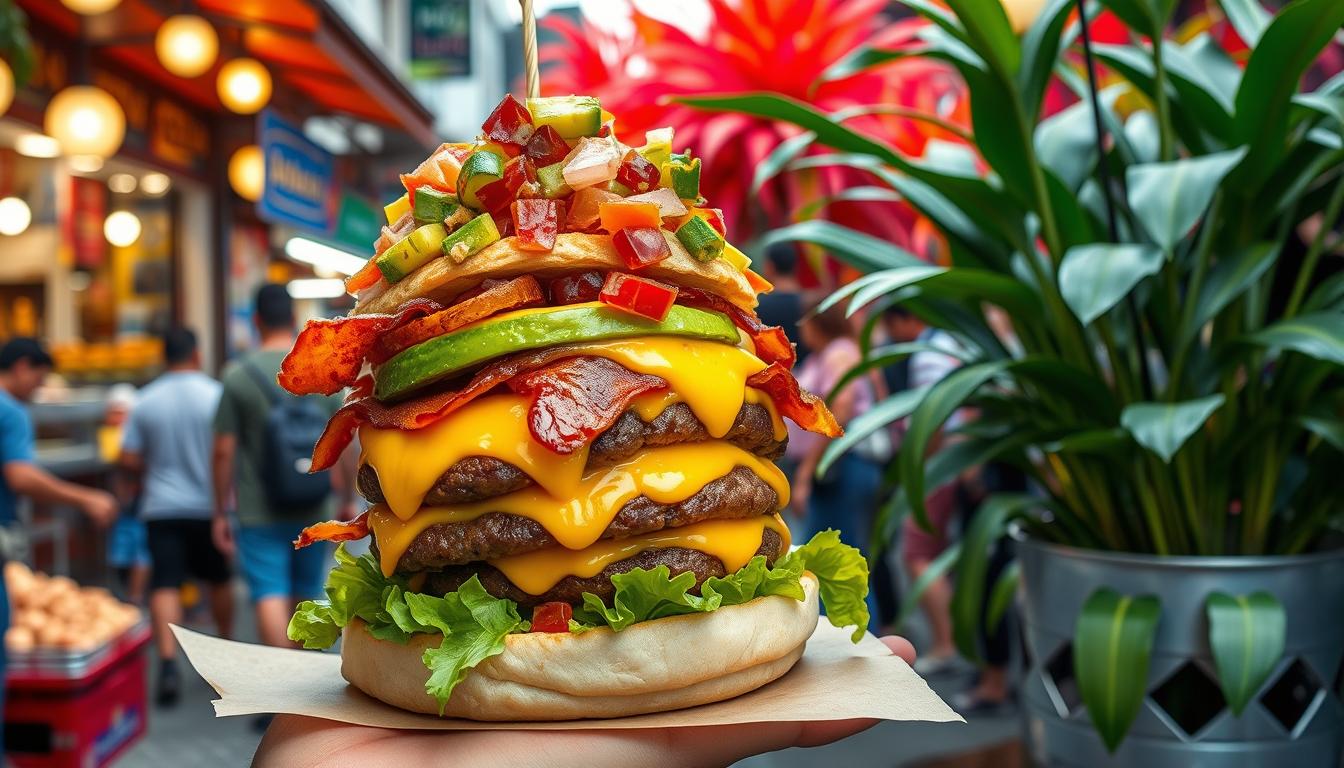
{"x":86,"y":120}
{"x":186,"y":45}
{"x":244,"y":85}
{"x":247,"y":172}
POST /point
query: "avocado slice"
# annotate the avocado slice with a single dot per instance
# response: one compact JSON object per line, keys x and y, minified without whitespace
{"x":452,"y":353}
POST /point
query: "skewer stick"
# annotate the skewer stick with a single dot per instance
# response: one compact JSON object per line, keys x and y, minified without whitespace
{"x":530,"y":50}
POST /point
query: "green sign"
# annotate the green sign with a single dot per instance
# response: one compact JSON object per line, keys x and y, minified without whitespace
{"x":440,"y":38}
{"x":358,"y":224}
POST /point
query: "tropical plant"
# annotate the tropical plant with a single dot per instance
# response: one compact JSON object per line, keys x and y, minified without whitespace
{"x":1172,"y":373}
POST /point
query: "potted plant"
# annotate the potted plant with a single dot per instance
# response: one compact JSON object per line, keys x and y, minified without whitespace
{"x":1173,"y":379}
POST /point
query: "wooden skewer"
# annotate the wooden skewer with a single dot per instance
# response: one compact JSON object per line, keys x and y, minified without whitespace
{"x":530,"y":50}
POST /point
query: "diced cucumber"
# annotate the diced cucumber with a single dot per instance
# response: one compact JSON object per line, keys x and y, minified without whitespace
{"x":552,"y":181}
{"x":702,"y":240}
{"x":570,"y":116}
{"x":480,"y":168}
{"x":470,"y":238}
{"x":617,"y":188}
{"x":433,"y":206}
{"x":397,"y":208}
{"x":411,"y":252}
{"x":685,"y":177}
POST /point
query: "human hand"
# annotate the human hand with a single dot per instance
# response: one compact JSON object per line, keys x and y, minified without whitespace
{"x":101,"y":507}
{"x":222,"y":533}
{"x":305,"y":742}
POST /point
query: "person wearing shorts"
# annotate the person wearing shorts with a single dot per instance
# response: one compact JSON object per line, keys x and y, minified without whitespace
{"x":166,"y":444}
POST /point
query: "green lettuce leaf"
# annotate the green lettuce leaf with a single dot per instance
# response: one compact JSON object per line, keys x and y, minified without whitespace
{"x":842,"y":573}
{"x":313,"y":625}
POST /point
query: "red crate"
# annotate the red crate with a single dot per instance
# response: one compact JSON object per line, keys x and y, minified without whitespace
{"x":79,"y":721}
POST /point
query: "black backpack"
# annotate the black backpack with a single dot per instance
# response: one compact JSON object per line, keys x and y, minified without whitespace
{"x":293,"y":426}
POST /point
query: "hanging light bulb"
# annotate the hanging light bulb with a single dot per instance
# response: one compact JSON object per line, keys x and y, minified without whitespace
{"x":15,"y":216}
{"x":121,"y":228}
{"x":86,"y":120}
{"x":186,"y":45}
{"x":247,"y":172}
{"x":6,"y":86}
{"x":90,"y":7}
{"x":243,"y":85}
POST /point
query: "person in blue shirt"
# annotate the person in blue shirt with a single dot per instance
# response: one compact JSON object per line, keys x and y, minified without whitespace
{"x":24,"y":364}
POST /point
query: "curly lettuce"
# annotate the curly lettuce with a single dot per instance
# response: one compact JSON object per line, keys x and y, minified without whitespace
{"x":474,"y":624}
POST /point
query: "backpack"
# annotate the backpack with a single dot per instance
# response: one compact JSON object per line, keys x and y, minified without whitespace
{"x":293,"y":426}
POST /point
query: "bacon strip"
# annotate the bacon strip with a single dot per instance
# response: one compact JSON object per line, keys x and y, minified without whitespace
{"x":575,"y":399}
{"x":334,"y":530}
{"x":506,"y":295}
{"x":803,"y":408}
{"x":329,"y":354}
{"x":772,"y":344}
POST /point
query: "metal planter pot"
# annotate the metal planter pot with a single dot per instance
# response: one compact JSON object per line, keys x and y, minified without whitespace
{"x":1296,"y":718}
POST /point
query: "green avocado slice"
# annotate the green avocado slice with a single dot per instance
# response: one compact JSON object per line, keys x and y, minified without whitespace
{"x":442,"y":357}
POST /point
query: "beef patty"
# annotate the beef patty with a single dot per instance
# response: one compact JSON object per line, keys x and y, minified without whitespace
{"x":478,"y":477}
{"x":737,"y":495}
{"x":571,"y":588}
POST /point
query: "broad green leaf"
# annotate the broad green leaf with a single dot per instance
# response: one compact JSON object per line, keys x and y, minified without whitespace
{"x":1148,"y":17}
{"x":937,"y":569}
{"x":1216,"y":69}
{"x":1080,"y":88}
{"x":958,"y":283}
{"x":942,"y":399}
{"x":861,"y":60}
{"x":1170,"y":198}
{"x":990,"y":34}
{"x":863,"y":194}
{"x":1319,"y":335}
{"x":1112,"y":647}
{"x":1247,"y":635}
{"x":1231,"y":276}
{"x":877,"y":358}
{"x":1135,"y":64}
{"x":1091,"y":441}
{"x":895,"y":407}
{"x":866,"y":252}
{"x":1248,"y":18}
{"x":1291,"y":42}
{"x":1094,"y":278}
{"x":842,"y":579}
{"x":1327,"y":105}
{"x":786,"y":152}
{"x":1091,"y":397}
{"x":1040,"y":51}
{"x":1198,"y":93}
{"x":1329,"y":294}
{"x":1066,"y":142}
{"x":1164,"y":427}
{"x":988,"y":525}
{"x":1004,"y":145}
{"x":1001,"y":596}
{"x":1142,"y":131}
{"x":1329,"y":430}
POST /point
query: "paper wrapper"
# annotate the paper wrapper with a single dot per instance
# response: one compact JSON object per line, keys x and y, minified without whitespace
{"x":835,"y":680}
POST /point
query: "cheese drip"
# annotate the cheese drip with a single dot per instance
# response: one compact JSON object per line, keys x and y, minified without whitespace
{"x":731,"y":542}
{"x":649,"y":406}
{"x":666,"y":475}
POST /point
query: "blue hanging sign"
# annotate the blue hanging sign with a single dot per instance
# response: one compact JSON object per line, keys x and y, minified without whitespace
{"x":299,"y":177}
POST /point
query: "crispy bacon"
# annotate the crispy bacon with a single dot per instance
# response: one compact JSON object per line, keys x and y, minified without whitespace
{"x":772,"y":344}
{"x":329,"y":354}
{"x":803,"y":408}
{"x":334,"y":530}
{"x":575,"y":399}
{"x":517,"y":293}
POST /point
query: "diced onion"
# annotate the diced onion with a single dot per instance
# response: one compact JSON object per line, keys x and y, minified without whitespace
{"x":667,"y":201}
{"x":593,"y":161}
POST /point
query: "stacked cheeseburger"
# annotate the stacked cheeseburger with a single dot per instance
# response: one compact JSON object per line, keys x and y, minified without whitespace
{"x":567,"y":437}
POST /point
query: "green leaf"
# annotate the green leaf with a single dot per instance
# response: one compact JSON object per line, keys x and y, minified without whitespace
{"x":786,"y":152}
{"x":866,"y":252}
{"x":937,"y":569}
{"x":861,"y":194}
{"x":1144,"y":16}
{"x":1094,"y":278}
{"x":1135,"y":64}
{"x":1004,"y":145}
{"x":1319,"y":335}
{"x":313,"y":625}
{"x":474,"y":624}
{"x":1112,"y":647}
{"x":1170,"y":198}
{"x":988,"y":525}
{"x":1001,"y":597}
{"x":1091,"y":441}
{"x":890,"y":354}
{"x":1198,"y":93}
{"x":642,"y":595}
{"x":1066,"y":142}
{"x":1247,"y":634}
{"x":1330,"y":106}
{"x":1329,"y":430}
{"x":1292,"y":41}
{"x":990,"y":34}
{"x":1164,"y":427}
{"x":1144,"y":136}
{"x":1248,"y":18}
{"x":1040,"y":51}
{"x":942,"y":399}
{"x":1329,"y":294}
{"x":842,"y":578}
{"x":895,"y":407}
{"x":1230,"y":277}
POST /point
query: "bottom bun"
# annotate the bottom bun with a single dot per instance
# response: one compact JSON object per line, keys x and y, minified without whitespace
{"x":653,"y":666}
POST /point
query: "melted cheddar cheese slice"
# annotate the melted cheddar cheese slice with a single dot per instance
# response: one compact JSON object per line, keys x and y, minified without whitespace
{"x":731,"y":542}
{"x":666,"y":475}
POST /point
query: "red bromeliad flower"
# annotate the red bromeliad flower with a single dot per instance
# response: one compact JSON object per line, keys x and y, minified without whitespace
{"x":760,"y":45}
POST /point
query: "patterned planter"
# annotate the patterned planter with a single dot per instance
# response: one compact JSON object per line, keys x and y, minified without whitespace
{"x":1295,"y":719}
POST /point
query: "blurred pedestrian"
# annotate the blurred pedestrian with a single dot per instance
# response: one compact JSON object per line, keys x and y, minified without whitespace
{"x":127,"y":541}
{"x":845,"y":497}
{"x":262,"y":441}
{"x":167,"y":445}
{"x":24,"y":364}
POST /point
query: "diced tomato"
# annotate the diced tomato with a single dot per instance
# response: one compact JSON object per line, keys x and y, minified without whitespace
{"x":584,"y":206}
{"x":637,"y":173}
{"x":552,"y":617}
{"x":536,"y":223}
{"x":640,"y":246}
{"x":367,"y":277}
{"x":638,"y":295}
{"x":503,"y":223}
{"x":619,"y":214}
{"x":714,"y":216}
{"x":546,"y":147}
{"x":575,"y":289}
{"x":518,"y":174}
{"x":510,"y":123}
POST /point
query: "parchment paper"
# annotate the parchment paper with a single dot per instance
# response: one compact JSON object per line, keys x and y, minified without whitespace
{"x":835,"y":680}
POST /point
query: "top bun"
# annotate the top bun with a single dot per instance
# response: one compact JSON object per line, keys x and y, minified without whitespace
{"x":441,"y":279}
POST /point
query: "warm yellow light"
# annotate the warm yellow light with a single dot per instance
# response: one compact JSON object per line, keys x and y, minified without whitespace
{"x":90,"y":7}
{"x":6,"y":87}
{"x":121,"y":183}
{"x":186,"y":45}
{"x":244,"y":85}
{"x":85,"y":163}
{"x":86,"y":120}
{"x":15,"y":216}
{"x":155,"y":184}
{"x":247,"y":172}
{"x":37,"y":145}
{"x":1022,"y":13}
{"x":121,"y":228}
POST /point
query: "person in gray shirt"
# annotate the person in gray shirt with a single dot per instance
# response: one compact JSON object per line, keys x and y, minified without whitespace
{"x":167,"y":444}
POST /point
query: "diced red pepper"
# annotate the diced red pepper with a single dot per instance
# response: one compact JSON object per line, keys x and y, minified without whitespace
{"x":620,"y":214}
{"x":367,"y":277}
{"x":637,"y":173}
{"x":552,"y":617}
{"x":714,"y":216}
{"x":640,"y":246}
{"x":638,"y":295}
{"x":536,"y":223}
{"x":510,"y":123}
{"x":518,"y":174}
{"x":758,"y":284}
{"x":575,"y":289}
{"x":546,"y":147}
{"x":503,"y":223}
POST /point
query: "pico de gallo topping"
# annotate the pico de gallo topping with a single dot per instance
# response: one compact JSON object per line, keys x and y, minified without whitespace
{"x":552,"y":617}
{"x":638,"y":295}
